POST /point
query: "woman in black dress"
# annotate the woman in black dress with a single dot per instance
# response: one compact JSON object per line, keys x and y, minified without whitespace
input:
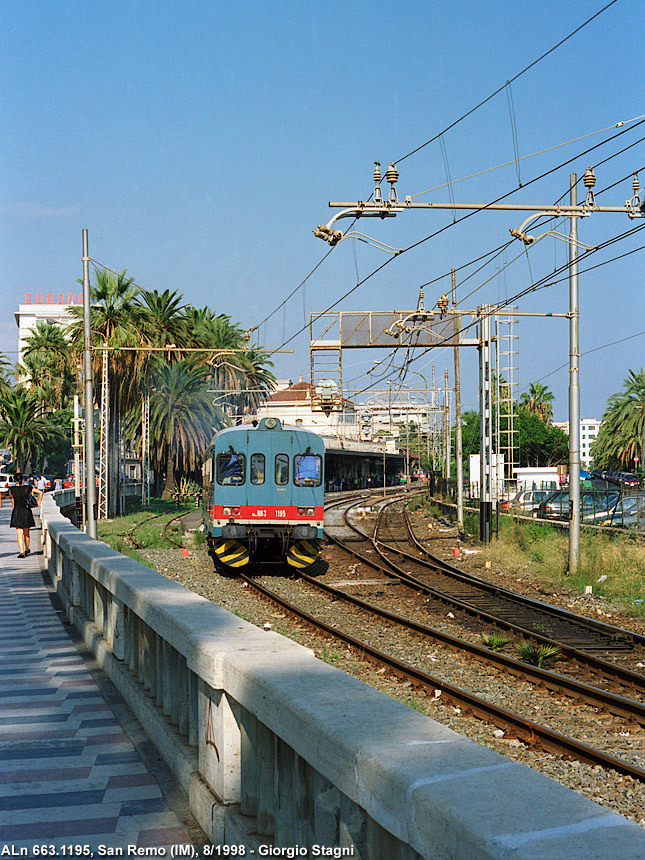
{"x":22,"y":518}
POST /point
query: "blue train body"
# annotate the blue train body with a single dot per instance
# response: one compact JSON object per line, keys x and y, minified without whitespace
{"x":264,"y":490}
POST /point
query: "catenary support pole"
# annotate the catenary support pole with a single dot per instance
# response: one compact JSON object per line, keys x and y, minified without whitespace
{"x":574,"y":390}
{"x":458,"y":444}
{"x":90,"y":486}
{"x":486,"y":430}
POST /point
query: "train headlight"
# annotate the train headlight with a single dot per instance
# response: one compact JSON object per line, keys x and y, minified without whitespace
{"x":226,"y":512}
{"x":311,"y":512}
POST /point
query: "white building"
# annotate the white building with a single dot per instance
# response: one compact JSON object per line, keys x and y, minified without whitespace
{"x":291,"y":403}
{"x":50,"y":308}
{"x":589,"y":428}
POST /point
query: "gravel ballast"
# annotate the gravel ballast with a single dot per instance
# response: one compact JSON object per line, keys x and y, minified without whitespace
{"x":617,"y":793}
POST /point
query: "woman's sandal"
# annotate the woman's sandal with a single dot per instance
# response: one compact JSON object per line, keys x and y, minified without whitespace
{"x":21,"y":555}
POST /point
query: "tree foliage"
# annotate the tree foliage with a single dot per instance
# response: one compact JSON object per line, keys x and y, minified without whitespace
{"x":48,"y":366}
{"x":621,"y":436}
{"x":183,"y":417}
{"x":539,"y":443}
{"x":23,"y":427}
{"x":538,"y":400}
{"x":198,"y":367}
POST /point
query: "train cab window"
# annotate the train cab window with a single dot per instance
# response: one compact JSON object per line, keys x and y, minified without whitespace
{"x":231,"y":468}
{"x":257,"y":468}
{"x":281,"y":470}
{"x":307,"y":470}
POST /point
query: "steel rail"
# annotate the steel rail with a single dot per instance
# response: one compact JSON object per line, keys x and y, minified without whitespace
{"x":526,"y":730}
{"x":503,"y":593}
{"x":611,"y":671}
{"x":601,"y":626}
{"x":616,"y":704}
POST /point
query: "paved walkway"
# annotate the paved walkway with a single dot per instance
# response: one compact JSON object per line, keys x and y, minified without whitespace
{"x":69,"y":773}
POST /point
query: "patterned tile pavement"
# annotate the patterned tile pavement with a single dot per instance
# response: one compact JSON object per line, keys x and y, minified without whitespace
{"x":69,"y":774}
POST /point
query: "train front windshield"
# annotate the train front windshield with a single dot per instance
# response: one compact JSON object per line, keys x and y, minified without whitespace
{"x":308,"y":470}
{"x":231,"y":468}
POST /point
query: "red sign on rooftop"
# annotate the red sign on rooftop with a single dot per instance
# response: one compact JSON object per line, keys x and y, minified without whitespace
{"x":53,"y":299}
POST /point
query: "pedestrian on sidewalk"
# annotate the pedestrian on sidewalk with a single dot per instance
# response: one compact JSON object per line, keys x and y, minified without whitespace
{"x":22,"y":518}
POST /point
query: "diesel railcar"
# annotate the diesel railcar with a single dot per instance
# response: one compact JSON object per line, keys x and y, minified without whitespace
{"x":264,"y":494}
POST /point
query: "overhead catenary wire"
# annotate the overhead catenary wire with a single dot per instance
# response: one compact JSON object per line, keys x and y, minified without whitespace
{"x":619,"y":124}
{"x":461,"y":220}
{"x":546,"y":281}
{"x":595,"y":349}
{"x":512,"y":80}
{"x":452,"y":125}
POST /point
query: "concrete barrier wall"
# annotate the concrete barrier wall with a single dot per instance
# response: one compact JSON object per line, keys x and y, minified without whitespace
{"x":278,"y":750}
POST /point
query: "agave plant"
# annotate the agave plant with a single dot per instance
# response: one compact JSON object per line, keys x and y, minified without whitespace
{"x":494,"y":641}
{"x":534,"y":654}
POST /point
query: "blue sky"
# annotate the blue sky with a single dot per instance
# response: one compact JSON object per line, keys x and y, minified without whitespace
{"x":200,"y":142}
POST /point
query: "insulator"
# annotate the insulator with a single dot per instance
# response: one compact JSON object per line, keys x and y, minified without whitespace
{"x":635,"y":184}
{"x":590,"y":178}
{"x":377,"y":172}
{"x":391,"y":174}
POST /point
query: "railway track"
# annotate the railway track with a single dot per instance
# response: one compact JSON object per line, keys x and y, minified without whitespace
{"x":593,"y":748}
{"x":511,"y":723}
{"x":527,"y":730}
{"x":588,"y":663}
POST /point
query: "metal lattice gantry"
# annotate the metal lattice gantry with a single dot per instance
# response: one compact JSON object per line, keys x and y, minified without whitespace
{"x":145,"y":450}
{"x":103,"y":444}
{"x":331,"y":333}
{"x":634,"y":207}
{"x":506,"y":386}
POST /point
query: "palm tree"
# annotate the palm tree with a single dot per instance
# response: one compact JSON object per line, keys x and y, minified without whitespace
{"x":22,"y":427}
{"x":183,"y":418}
{"x":621,"y":436}
{"x":240,"y":371}
{"x":162,"y":318}
{"x":117,"y":322}
{"x":49,"y":366}
{"x":5,"y":369}
{"x":538,"y":399}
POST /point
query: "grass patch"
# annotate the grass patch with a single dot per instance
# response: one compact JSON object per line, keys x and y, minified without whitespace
{"x":142,"y":529}
{"x":415,"y":704}
{"x":617,"y":560}
{"x":536,"y":655}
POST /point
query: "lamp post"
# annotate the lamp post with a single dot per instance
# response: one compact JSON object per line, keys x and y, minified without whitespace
{"x":90,"y":477}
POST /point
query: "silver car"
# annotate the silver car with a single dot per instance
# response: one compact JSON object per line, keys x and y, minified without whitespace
{"x":630,"y":513}
{"x":528,"y":500}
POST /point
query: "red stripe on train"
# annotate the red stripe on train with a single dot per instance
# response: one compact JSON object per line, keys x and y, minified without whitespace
{"x":268,"y":513}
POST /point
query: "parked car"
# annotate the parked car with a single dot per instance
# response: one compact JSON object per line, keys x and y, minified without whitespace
{"x":630,"y":513}
{"x":6,"y":481}
{"x":69,"y":482}
{"x":628,"y":480}
{"x":528,"y":500}
{"x":595,"y":506}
